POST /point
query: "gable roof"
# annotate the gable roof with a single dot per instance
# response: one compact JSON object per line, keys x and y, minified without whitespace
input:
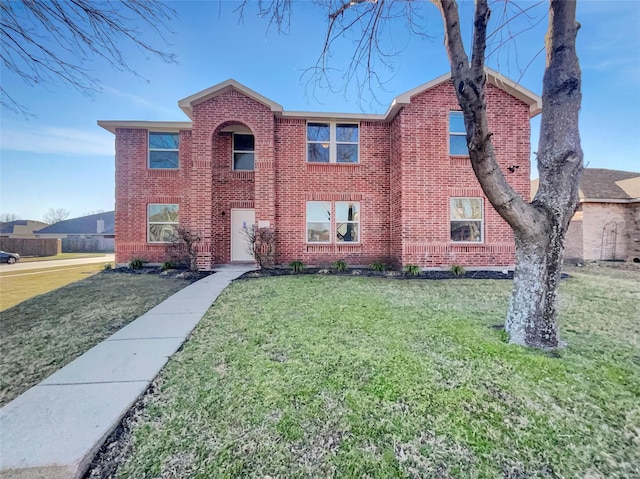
{"x":606,"y":186}
{"x":84,"y":225}
{"x":186,"y":104}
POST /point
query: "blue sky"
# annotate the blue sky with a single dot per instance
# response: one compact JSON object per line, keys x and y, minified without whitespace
{"x":60,"y":158}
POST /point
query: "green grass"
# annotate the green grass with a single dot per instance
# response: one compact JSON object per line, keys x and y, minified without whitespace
{"x":18,"y":286}
{"x":31,"y":259}
{"x":311,"y":376}
{"x":44,"y":333}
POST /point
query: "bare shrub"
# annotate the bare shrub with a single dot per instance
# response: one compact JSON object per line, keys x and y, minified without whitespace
{"x":261,"y":245}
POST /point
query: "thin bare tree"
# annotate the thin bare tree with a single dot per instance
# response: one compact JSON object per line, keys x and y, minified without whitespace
{"x":55,"y":215}
{"x":51,"y":41}
{"x":8,"y":217}
{"x":539,"y":226}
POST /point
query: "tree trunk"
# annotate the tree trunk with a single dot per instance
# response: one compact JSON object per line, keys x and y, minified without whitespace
{"x":532,"y":316}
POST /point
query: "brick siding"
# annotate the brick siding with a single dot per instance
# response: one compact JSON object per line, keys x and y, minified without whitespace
{"x":403,"y":181}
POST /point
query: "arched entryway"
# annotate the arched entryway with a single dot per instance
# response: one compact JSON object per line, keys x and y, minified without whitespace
{"x":233,"y":191}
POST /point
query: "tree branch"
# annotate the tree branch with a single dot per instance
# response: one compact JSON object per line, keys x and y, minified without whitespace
{"x":469,"y":80}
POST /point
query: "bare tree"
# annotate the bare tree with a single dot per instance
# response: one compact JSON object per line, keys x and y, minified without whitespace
{"x":49,"y":41}
{"x":93,"y":212}
{"x":55,"y":215}
{"x":8,"y":217}
{"x":540,"y":226}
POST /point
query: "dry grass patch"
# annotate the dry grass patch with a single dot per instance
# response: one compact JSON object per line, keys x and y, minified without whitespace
{"x":32,"y":259}
{"x":312,"y":376}
{"x":18,"y":286}
{"x":44,"y":333}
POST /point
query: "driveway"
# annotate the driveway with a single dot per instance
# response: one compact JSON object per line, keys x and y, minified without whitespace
{"x":5,"y":268}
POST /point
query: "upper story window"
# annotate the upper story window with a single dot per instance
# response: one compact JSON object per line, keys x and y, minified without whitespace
{"x":332,"y":142}
{"x":467,"y":218}
{"x":457,"y":134}
{"x":163,"y":150}
{"x":243,"y":152}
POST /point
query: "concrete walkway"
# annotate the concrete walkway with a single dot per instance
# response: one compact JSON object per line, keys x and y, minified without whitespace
{"x":54,"y":429}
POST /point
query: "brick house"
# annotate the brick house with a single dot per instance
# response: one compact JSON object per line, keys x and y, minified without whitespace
{"x":606,"y":225}
{"x":394,"y":187}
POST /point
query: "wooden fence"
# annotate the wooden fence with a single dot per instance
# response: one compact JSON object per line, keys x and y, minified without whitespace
{"x":31,"y":246}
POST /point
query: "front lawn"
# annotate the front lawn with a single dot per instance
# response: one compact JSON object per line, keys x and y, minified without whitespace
{"x":317,"y":376}
{"x":42,"y":334}
{"x":18,"y":286}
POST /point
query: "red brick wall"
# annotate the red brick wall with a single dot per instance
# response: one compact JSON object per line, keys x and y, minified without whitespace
{"x":430,"y":176}
{"x":137,"y":186}
{"x":403,"y":182}
{"x":298,"y":182}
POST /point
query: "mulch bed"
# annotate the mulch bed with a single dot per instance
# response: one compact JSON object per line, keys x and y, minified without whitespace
{"x":393,"y":274}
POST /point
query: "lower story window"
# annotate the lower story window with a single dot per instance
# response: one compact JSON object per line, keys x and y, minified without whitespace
{"x":162,"y":223}
{"x":322,"y":229}
{"x":467,"y":219}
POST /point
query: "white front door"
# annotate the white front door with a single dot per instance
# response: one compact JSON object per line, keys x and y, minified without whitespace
{"x":241,"y":219}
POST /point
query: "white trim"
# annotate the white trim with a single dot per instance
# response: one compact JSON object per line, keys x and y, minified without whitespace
{"x":156,"y":126}
{"x":456,"y":133}
{"x":333,"y":142}
{"x":481,"y":220}
{"x":149,"y":223}
{"x":149,"y":149}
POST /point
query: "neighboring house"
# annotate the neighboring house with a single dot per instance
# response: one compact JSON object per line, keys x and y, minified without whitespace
{"x":86,"y":233}
{"x":606,"y":225}
{"x":393,"y":187}
{"x":20,"y":228}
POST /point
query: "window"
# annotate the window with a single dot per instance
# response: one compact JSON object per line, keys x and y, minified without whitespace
{"x":318,"y":221}
{"x":346,"y":228}
{"x":347,"y":221}
{"x":332,"y":142}
{"x":163,"y":150}
{"x":162,"y":222}
{"x":457,"y":134}
{"x":243,"y":152}
{"x":466,"y":220}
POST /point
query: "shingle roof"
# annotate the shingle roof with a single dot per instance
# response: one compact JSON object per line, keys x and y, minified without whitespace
{"x":604,"y":184}
{"x":85,"y":225}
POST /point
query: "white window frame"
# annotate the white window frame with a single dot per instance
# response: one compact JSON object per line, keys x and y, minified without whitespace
{"x":333,"y":224}
{"x":234,"y":151}
{"x":481,"y":220}
{"x":333,"y":141}
{"x":149,"y":149}
{"x":306,"y":224}
{"x":456,"y":133}
{"x":149,"y":223}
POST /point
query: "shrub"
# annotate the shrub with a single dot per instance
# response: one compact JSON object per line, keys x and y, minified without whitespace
{"x":136,"y":263}
{"x":261,"y":245}
{"x":378,"y":267}
{"x":297,"y":266}
{"x":167,"y":265}
{"x":412,"y":269}
{"x":107,"y":267}
{"x":457,"y":270}
{"x":340,"y":265}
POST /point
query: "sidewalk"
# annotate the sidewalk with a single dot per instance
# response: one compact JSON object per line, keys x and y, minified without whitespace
{"x":54,"y":429}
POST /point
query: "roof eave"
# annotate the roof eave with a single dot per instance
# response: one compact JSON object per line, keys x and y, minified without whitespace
{"x":111,"y":125}
{"x":187,"y":104}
